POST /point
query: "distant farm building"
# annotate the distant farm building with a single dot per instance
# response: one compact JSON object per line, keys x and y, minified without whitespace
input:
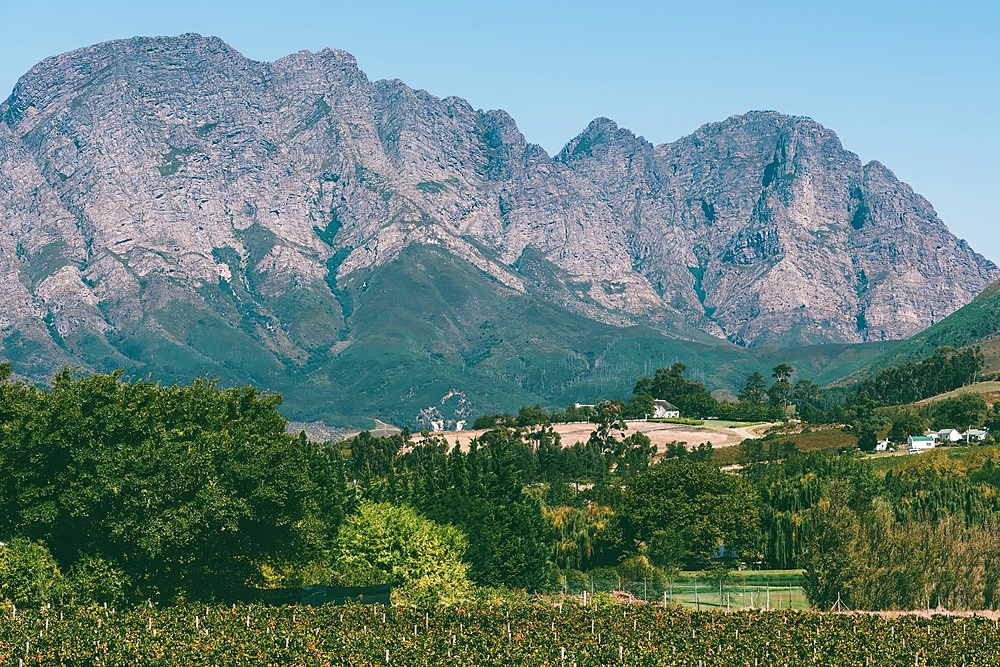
{"x":664,"y":410}
{"x":949,"y":435}
{"x":919,"y":443}
{"x":974,"y":435}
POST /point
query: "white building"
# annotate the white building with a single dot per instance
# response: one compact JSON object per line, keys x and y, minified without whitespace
{"x":919,"y":443}
{"x":664,"y":410}
{"x":949,"y":435}
{"x":974,"y":435}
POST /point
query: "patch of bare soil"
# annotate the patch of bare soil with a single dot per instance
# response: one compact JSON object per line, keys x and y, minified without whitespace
{"x":659,"y":434}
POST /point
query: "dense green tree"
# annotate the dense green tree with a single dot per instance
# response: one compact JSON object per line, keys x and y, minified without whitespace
{"x":832,"y":556}
{"x":906,"y":424}
{"x":754,"y":389}
{"x":93,"y":579}
{"x":188,"y":489}
{"x":962,"y":412}
{"x":640,"y":406}
{"x":29,"y":575}
{"x":751,"y":451}
{"x":690,"y":508}
{"x":805,"y":392}
{"x":532,"y":416}
{"x":669,"y":384}
{"x":369,"y":457}
{"x":634,"y":455}
{"x":945,"y":370}
{"x":867,"y":440}
{"x":393,"y":544}
{"x":781,"y":388}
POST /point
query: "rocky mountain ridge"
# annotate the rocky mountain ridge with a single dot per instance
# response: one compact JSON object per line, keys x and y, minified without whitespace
{"x":149,"y":176}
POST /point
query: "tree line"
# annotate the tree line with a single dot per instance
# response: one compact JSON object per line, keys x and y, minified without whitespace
{"x":125,"y":489}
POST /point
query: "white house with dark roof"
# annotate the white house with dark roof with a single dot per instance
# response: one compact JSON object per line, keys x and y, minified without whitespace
{"x":665,"y":410}
{"x":949,"y":435}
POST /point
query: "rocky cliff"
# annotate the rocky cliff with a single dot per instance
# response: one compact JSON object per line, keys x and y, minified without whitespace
{"x":145,"y":179}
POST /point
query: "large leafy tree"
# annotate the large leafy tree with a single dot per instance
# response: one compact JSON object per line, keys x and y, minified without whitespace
{"x":670,"y":384}
{"x":831,"y":555}
{"x":393,"y":544}
{"x":754,"y":389}
{"x":779,"y":391}
{"x":29,"y":574}
{"x":906,"y":424}
{"x":684,"y":510}
{"x":188,"y":489}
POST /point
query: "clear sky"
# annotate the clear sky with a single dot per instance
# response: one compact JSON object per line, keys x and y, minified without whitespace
{"x":912,"y":83}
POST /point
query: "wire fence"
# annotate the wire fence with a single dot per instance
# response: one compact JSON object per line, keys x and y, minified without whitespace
{"x":741,"y":591}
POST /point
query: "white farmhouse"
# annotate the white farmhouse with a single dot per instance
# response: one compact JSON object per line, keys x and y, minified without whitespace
{"x":974,"y":435}
{"x":919,"y":443}
{"x":664,"y":410}
{"x":949,"y":435}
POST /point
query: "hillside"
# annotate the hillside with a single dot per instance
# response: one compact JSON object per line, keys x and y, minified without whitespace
{"x":976,"y":323}
{"x":171,"y":207}
{"x":989,"y":391}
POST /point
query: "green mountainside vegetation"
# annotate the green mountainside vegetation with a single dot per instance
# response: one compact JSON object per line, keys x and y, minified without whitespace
{"x":977,"y":324}
{"x":403,"y":336}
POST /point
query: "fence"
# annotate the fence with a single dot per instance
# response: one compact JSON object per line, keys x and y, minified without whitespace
{"x":743,"y":590}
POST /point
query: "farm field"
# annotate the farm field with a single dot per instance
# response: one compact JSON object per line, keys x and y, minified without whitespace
{"x":719,"y":433}
{"x":820,"y":439}
{"x":527,"y":634}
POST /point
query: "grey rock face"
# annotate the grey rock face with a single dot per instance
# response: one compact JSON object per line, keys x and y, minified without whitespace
{"x":137,"y":174}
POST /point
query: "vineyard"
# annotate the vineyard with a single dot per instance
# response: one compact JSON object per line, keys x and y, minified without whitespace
{"x":517,"y":634}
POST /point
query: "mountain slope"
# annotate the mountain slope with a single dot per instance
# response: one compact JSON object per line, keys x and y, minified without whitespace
{"x":170,"y":206}
{"x":976,"y":323}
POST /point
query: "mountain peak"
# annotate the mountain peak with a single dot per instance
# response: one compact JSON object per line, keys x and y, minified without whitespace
{"x":599,"y":135}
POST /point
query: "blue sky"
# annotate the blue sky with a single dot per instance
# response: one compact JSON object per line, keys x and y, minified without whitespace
{"x":913,"y":84}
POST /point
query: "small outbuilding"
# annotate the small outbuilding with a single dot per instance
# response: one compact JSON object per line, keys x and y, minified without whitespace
{"x":920,"y":443}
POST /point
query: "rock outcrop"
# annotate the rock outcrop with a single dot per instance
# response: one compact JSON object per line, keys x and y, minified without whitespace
{"x":143,"y":174}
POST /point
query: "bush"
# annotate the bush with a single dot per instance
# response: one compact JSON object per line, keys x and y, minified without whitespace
{"x":94,"y":579}
{"x":29,"y":574}
{"x":422,"y":559}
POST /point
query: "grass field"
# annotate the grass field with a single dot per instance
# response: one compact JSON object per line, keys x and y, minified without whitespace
{"x":749,"y":589}
{"x":990,"y":391}
{"x":807,"y":441}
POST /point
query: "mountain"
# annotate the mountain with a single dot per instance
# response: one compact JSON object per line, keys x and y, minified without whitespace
{"x":172,"y":207}
{"x":975,"y":324}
